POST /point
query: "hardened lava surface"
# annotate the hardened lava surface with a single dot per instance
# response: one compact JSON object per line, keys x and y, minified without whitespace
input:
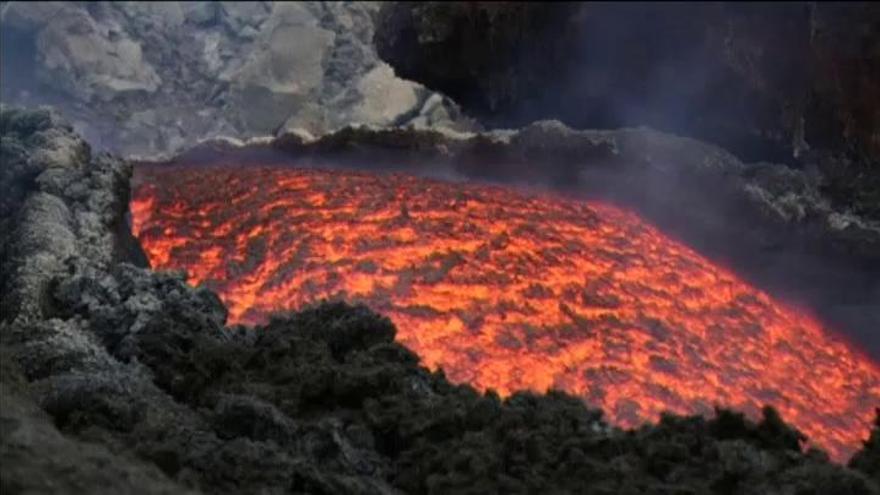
{"x":510,"y":291}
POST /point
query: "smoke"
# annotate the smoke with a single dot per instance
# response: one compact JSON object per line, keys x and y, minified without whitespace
{"x":673,"y":67}
{"x":733,"y":75}
{"x":708,"y":212}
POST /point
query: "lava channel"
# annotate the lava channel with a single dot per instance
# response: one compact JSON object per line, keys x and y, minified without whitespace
{"x":509,"y":291}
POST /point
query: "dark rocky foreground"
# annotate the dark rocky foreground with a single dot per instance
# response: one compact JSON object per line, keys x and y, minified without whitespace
{"x":116,"y":379}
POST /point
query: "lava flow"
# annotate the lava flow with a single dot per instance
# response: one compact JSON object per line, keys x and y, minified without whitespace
{"x":510,"y":291}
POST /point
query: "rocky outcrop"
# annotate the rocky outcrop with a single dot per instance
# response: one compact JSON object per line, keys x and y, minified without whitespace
{"x":868,"y":459}
{"x":136,"y":373}
{"x":790,"y":83}
{"x":59,"y":202}
{"x":793,"y":83}
{"x":37,"y":458}
{"x":150,"y":78}
{"x":64,"y":210}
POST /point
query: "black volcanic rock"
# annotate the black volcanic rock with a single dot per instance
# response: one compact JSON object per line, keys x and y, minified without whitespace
{"x":150,"y":79}
{"x":58,"y":201}
{"x":868,"y":459}
{"x":117,"y":379}
{"x":787,"y":82}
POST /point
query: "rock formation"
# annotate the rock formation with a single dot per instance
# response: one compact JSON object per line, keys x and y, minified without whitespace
{"x":151,"y":78}
{"x":136,"y":373}
{"x":792,"y":83}
{"x":116,"y":379}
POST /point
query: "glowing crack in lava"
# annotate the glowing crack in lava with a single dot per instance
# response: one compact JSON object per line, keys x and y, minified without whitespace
{"x":509,"y":291}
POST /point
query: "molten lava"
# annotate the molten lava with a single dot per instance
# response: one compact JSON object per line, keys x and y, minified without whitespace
{"x":509,"y":291}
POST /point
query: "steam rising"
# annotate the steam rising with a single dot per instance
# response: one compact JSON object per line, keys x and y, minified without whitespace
{"x":509,"y":292}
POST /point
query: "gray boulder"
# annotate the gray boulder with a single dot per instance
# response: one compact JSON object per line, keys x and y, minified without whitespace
{"x":148,"y":79}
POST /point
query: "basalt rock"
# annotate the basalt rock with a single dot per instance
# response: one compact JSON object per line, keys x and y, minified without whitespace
{"x":115,"y":378}
{"x":148,"y":79}
{"x":59,"y":202}
{"x":794,"y":83}
{"x":868,"y":459}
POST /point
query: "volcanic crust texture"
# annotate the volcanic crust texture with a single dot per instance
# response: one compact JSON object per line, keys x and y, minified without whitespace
{"x":510,"y":292}
{"x":116,"y":379}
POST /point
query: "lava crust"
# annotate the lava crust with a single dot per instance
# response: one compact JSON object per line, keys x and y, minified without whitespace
{"x":510,"y":292}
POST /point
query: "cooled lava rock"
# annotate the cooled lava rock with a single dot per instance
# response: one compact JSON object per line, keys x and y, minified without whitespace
{"x":154,"y":78}
{"x":115,"y":378}
{"x":508,"y":290}
{"x":793,"y":82}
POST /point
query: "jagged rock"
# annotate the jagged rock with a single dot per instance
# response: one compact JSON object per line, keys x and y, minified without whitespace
{"x":286,"y":71}
{"x":76,"y":206}
{"x":238,"y":15}
{"x":149,"y":79}
{"x":242,"y":416}
{"x":91,"y":61}
{"x":797,"y":79}
{"x":140,"y":387}
{"x":868,"y":459}
{"x":37,"y":458}
{"x":386,"y":97}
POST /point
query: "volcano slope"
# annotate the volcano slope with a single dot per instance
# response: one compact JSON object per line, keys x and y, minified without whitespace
{"x":136,"y":373}
{"x":507,"y":291}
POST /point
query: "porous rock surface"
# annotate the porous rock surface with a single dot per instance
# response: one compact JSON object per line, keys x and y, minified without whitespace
{"x":117,"y":379}
{"x":151,"y":78}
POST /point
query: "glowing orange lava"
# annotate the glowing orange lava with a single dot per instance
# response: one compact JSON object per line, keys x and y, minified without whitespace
{"x":509,"y":291}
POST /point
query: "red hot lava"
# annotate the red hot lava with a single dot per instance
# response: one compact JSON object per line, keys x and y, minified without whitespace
{"x":509,"y":291}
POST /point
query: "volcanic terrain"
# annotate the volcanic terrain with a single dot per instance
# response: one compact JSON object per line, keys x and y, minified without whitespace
{"x":510,"y":291}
